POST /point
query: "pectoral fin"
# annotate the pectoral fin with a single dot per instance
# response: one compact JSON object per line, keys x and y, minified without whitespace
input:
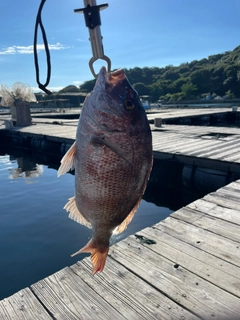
{"x":67,"y":162}
{"x":74,"y":213}
{"x":101,"y":140}
{"x":126,"y":222}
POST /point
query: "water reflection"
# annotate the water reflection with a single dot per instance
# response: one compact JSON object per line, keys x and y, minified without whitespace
{"x":165,"y":187}
{"x":27,"y":169}
{"x":30,"y":162}
{"x":33,"y":221}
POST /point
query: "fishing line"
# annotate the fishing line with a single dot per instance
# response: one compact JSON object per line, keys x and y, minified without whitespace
{"x":45,"y":42}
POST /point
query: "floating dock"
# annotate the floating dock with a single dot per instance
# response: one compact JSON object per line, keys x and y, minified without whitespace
{"x":185,"y":267}
{"x":210,"y":147}
{"x":192,"y":271}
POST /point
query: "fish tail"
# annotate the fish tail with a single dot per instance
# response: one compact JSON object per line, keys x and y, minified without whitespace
{"x":98,"y":256}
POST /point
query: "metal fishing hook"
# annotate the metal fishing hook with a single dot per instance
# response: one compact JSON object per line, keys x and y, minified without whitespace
{"x":92,"y":19}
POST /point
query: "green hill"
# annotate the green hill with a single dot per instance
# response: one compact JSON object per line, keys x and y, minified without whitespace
{"x":218,"y":74}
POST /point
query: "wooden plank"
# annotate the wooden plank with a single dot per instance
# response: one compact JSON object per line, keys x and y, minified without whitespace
{"x":204,"y":256}
{"x":214,"y":150}
{"x":212,"y":243}
{"x":235,"y":184}
{"x":185,"y":288}
{"x":199,"y":219}
{"x":184,"y":142}
{"x":233,"y":187}
{"x":232,"y":155}
{"x":53,"y":136}
{"x":188,"y":149}
{"x":233,"y":158}
{"x":66,"y":296}
{"x":229,"y":193}
{"x":223,"y":201}
{"x":128,"y":293}
{"x":200,"y":145}
{"x":214,"y":210}
{"x":23,"y":305}
{"x":164,"y":141}
{"x":204,"y":146}
{"x":204,"y":265}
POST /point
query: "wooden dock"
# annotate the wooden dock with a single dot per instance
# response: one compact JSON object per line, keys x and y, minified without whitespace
{"x":186,"y":114}
{"x":191,"y":272}
{"x":167,"y":114}
{"x":210,"y":147}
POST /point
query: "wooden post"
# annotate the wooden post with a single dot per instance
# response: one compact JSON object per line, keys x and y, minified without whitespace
{"x":21,"y":115}
{"x":158,"y":122}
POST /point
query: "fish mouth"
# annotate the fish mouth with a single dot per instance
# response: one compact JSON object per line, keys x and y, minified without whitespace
{"x":116,"y":76}
{"x":111,"y":77}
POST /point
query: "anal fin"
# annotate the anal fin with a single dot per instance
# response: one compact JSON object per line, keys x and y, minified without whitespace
{"x":128,"y":219}
{"x":74,"y":213}
{"x":67,"y":162}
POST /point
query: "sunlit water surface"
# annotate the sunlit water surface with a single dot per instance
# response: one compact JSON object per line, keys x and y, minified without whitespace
{"x":36,"y":235}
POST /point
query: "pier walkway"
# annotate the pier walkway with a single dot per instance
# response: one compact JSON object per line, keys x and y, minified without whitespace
{"x":210,"y":147}
{"x":185,"y":267}
{"x":190,"y":271}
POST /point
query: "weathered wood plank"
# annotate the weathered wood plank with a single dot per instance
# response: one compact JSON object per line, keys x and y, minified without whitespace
{"x":230,"y":156}
{"x":183,"y":142}
{"x":199,"y":219}
{"x":214,"y":210}
{"x":174,"y":145}
{"x":212,"y":243}
{"x":223,"y":201}
{"x":182,"y":286}
{"x":23,"y":305}
{"x":66,"y":296}
{"x":188,"y":149}
{"x":233,"y":158}
{"x":226,"y":147}
{"x":128,"y":293}
{"x":229,"y":194}
{"x":233,"y":185}
{"x":197,"y":261}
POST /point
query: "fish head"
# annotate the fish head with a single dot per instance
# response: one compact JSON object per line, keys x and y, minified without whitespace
{"x":113,"y":117}
{"x":115,"y":105}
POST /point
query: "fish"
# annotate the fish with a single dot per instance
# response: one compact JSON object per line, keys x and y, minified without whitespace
{"x":112,"y":158}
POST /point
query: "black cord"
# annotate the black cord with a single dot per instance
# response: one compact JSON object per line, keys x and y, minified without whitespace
{"x":39,"y":23}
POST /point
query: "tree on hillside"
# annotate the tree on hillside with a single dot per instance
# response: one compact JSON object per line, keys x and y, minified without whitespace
{"x":229,"y":94}
{"x":70,"y":88}
{"x":218,"y":73}
{"x":155,"y":91}
{"x":189,"y":91}
{"x":88,"y":86}
{"x":141,"y":88}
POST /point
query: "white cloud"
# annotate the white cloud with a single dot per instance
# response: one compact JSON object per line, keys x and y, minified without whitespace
{"x":29,"y":49}
{"x":81,"y":40}
{"x":77,"y":83}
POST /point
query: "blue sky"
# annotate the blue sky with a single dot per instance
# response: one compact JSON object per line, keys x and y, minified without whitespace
{"x":135,"y":33}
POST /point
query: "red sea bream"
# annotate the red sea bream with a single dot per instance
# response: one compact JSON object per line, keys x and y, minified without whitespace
{"x":112,"y":157}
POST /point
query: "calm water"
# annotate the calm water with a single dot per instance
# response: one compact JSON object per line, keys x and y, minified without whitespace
{"x":36,"y":235}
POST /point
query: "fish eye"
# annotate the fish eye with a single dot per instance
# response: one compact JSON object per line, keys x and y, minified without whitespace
{"x":128,"y":104}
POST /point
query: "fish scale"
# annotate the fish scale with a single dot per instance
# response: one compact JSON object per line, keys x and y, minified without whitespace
{"x":112,"y":156}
